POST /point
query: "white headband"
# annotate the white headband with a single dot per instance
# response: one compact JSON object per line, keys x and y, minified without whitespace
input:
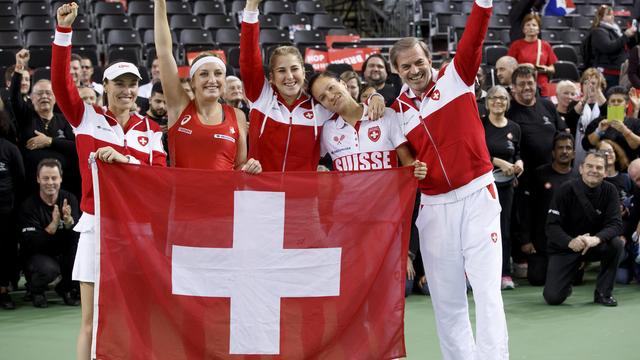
{"x":206,"y":60}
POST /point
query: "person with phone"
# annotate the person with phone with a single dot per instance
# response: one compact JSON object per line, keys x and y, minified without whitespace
{"x":622,"y":130}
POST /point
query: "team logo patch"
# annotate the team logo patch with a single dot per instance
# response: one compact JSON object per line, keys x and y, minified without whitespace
{"x":185,"y":130}
{"x":224,"y":137}
{"x":374,"y":133}
{"x":510,"y":136}
{"x":547,"y":185}
{"x":232,"y":130}
{"x":185,"y":119}
{"x":338,"y":139}
{"x":435,"y":95}
{"x":143,"y":140}
{"x":308,"y":115}
{"x":494,"y":237}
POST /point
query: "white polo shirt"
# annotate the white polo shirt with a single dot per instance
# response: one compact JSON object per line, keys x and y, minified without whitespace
{"x":370,"y":145}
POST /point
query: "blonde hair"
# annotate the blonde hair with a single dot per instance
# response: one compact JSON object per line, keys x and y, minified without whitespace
{"x":285,"y":50}
{"x":600,"y":13}
{"x":564,"y":84}
{"x":593,"y":72}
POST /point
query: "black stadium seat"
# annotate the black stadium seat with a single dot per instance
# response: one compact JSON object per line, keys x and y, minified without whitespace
{"x":178,"y":7}
{"x":267,"y":21}
{"x":123,"y":38}
{"x":494,"y":52}
{"x":555,"y":23}
{"x":237,"y":6}
{"x":7,"y":57}
{"x":499,"y":22}
{"x":40,"y":58}
{"x":102,"y":8}
{"x":111,"y":22}
{"x":144,"y":22}
{"x":185,"y":22}
{"x":572,"y":37}
{"x":39,"y":39}
{"x":218,"y":21}
{"x":551,"y":36}
{"x":287,"y":20}
{"x":277,"y":7}
{"x":308,"y":37}
{"x":227,"y":37}
{"x":208,"y":7}
{"x":566,"y":70}
{"x":7,"y":9}
{"x":566,"y":53}
{"x":273,"y":37}
{"x":310,"y":7}
{"x":35,"y":23}
{"x":10,"y":40}
{"x":344,"y":31}
{"x":326,"y":21}
{"x":34,"y":9}
{"x":192,"y":39}
{"x":582,"y":22}
{"x":84,"y":38}
{"x":137,"y":8}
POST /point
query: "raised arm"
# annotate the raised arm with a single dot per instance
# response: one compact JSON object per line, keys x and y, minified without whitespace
{"x":64,"y":88}
{"x":175,"y":96}
{"x":18,"y":105}
{"x":469,"y":54}
{"x":251,"y":69}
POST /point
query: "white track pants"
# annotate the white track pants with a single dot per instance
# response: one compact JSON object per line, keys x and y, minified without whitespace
{"x":462,"y":235}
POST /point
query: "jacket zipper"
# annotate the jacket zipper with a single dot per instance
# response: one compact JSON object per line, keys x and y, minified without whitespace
{"x":286,"y":150}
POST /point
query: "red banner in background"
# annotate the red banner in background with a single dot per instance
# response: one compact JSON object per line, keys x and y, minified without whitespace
{"x":355,"y":57}
{"x":194,"y":54}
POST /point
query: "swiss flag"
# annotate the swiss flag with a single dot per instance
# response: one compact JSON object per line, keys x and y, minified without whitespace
{"x":197,"y":264}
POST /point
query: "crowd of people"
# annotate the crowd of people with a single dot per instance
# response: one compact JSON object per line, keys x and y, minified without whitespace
{"x":551,"y":172}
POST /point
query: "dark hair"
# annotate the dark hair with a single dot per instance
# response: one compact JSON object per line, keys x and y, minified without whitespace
{"x":49,"y":162}
{"x":316,"y":76}
{"x":598,"y":154}
{"x":387,"y":68}
{"x":561,"y":136}
{"x":532,"y":16}
{"x":363,"y":88}
{"x":617,"y":90}
{"x":522,"y":71}
{"x":156,"y":88}
{"x":5,"y":124}
{"x":76,"y":57}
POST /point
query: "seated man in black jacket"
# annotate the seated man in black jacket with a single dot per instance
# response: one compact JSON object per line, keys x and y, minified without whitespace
{"x":584,"y":224}
{"x":48,"y":241}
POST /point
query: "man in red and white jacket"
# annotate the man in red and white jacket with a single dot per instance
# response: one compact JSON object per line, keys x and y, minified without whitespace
{"x":459,"y":220}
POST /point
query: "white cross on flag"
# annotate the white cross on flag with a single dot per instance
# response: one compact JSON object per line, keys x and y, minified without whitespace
{"x":206,"y":265}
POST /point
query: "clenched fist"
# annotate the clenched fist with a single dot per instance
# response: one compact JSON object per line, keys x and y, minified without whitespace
{"x":67,"y":14}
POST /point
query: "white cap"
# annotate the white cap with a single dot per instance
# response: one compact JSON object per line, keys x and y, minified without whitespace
{"x":121,"y":68}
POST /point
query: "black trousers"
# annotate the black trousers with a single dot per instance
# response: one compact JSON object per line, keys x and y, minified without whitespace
{"x":505,"y":195}
{"x":41,"y":269}
{"x":563,"y":268}
{"x":8,"y":249}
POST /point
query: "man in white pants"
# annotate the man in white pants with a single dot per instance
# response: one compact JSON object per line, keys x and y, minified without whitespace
{"x":459,"y":221}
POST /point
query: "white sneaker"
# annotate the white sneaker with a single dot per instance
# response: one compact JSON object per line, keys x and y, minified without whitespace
{"x":507,"y":283}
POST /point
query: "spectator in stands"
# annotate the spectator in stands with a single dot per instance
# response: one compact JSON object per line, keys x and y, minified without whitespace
{"x":86,"y":76}
{"x":88,"y":95}
{"x":630,"y":267}
{"x":375,"y":71}
{"x":533,"y":50}
{"x":48,"y":241}
{"x":625,"y":133}
{"x":366,"y":91}
{"x":158,"y":112}
{"x":184,"y":82}
{"x":75,"y":68}
{"x":42,"y":132}
{"x":609,"y":44}
{"x":203,"y":133}
{"x":504,"y":68}
{"x":584,"y":224}
{"x":566,"y":104}
{"x":546,"y":179}
{"x":284,"y":129}
{"x":634,"y":67}
{"x":352,"y":80}
{"x":539,"y":121}
{"x":11,"y":182}
{"x":25,"y":84}
{"x":234,"y":95}
{"x":503,"y":141}
{"x":519,"y":10}
{"x":120,"y":81}
{"x":145,"y":90}
{"x":590,"y":106}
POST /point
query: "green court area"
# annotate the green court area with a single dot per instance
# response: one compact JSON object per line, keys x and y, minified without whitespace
{"x":577,"y":330}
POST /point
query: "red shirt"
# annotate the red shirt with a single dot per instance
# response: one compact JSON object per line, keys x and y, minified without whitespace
{"x":195,"y":145}
{"x":527,"y":52}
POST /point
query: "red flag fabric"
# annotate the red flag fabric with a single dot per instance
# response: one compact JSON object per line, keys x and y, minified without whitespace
{"x":198,"y":264}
